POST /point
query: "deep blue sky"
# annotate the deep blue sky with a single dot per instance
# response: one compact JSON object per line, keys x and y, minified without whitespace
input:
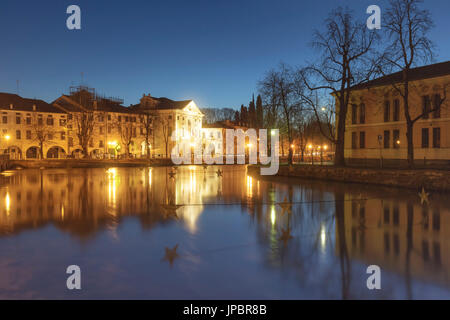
{"x":212,"y":51}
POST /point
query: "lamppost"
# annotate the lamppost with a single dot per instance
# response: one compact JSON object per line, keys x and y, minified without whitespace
{"x":7,"y":137}
{"x":321,"y":158}
{"x":310,"y":147}
{"x":293,"y":153}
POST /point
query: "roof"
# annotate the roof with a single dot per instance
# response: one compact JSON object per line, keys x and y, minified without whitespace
{"x":420,"y":73}
{"x":70,"y":105}
{"x":25,"y":104}
{"x":165,"y":104}
{"x":223,"y":125}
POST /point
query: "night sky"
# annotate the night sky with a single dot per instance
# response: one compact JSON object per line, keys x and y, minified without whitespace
{"x":211,"y":51}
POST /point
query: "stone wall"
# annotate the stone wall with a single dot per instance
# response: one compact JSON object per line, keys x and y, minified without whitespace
{"x":437,"y":180}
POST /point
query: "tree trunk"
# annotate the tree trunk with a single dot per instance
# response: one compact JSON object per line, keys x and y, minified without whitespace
{"x":41,"y":150}
{"x":339,"y":158}
{"x":409,"y":137}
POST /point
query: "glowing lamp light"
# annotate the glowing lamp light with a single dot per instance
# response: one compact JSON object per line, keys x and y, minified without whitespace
{"x":325,"y":147}
{"x":292,"y":146}
{"x":249,"y":145}
{"x":112,"y":143}
{"x":7,"y":137}
{"x":398,"y":141}
{"x":310,"y":146}
{"x":272,"y":132}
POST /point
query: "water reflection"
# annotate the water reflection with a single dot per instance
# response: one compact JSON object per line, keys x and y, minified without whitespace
{"x":227,"y":235}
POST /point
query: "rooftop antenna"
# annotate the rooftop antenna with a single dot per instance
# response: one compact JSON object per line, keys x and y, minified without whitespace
{"x":17,"y":84}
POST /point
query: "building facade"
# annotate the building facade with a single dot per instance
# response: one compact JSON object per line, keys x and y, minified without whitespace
{"x":84,"y":122}
{"x":376,"y":123}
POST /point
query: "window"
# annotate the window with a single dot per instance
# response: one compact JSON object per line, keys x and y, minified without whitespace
{"x":354,"y":113}
{"x":18,"y":134}
{"x":362,"y":113}
{"x":362,"y":139}
{"x":62,"y":122}
{"x":426,"y":104}
{"x":100,"y":129}
{"x":70,"y":142}
{"x":354,"y":140}
{"x":91,"y":143}
{"x":100,"y":144}
{"x":437,"y":106}
{"x":119,"y":118}
{"x":28,"y":119}
{"x":134,"y":132}
{"x":109,"y":129}
{"x":50,"y":136}
{"x":63,"y":135}
{"x":40,"y":121}
{"x":396,"y":139}
{"x":396,"y":110}
{"x":436,"y":137}
{"x":425,"y":138}
{"x":387,"y":111}
{"x":18,"y":118}
{"x":70,"y":116}
{"x":170,"y":117}
{"x":28,"y":134}
{"x":387,"y":139}
{"x":50,"y":120}
{"x":5,"y":119}
{"x":141,"y":130}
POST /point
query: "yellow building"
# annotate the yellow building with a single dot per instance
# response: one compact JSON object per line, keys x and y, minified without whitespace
{"x":106,"y":128}
{"x":376,"y":124}
{"x":183,"y":118}
{"x":29,"y":125}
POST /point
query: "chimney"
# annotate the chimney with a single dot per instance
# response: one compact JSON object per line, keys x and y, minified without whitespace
{"x":34,"y":107}
{"x":11,"y":106}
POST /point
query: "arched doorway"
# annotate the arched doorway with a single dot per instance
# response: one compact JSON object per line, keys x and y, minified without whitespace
{"x":15,"y":153}
{"x":96,"y":154}
{"x":32,"y":153}
{"x":56,"y":153}
{"x":77,"y":153}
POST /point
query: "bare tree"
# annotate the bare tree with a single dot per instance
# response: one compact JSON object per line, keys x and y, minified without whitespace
{"x":284,"y":102}
{"x":84,"y":122}
{"x":41,"y":133}
{"x":344,"y":48}
{"x":407,"y":26}
{"x":146,"y":120}
{"x":163,"y":125}
{"x":127,"y":133}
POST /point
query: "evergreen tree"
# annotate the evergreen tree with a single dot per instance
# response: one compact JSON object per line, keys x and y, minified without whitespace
{"x":259,"y":113}
{"x":237,"y":117}
{"x":252,"y":113}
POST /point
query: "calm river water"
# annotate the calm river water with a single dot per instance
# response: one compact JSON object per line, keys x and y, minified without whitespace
{"x":138,"y":233}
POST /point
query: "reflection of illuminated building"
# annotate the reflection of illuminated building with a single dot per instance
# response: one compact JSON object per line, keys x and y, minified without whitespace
{"x":399,"y":236}
{"x":81,"y":201}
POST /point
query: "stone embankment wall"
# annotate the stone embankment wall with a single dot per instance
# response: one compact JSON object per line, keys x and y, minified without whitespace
{"x":437,"y":180}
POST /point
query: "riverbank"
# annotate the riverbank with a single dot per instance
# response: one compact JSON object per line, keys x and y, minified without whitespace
{"x":85,"y":163}
{"x":436,"y":180}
